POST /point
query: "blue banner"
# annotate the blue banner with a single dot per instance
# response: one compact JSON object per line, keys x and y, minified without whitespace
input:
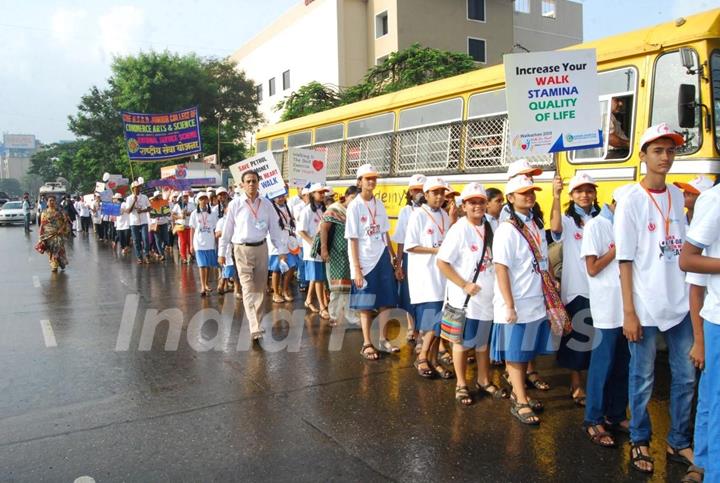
{"x":110,"y":209}
{"x":181,"y":184}
{"x":158,"y":137}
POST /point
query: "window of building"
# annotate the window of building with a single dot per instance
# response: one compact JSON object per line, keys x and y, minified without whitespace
{"x":381,"y":24}
{"x":286,"y":80}
{"x":522,"y":6}
{"x":476,"y":10}
{"x":549,"y":9}
{"x":476,"y":49}
{"x":271,"y":87}
{"x":381,"y":60}
{"x":259,"y":92}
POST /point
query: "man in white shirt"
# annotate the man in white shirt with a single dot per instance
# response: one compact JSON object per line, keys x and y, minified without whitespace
{"x":249,"y":219}
{"x":26,"y":211}
{"x":701,"y":255}
{"x":138,"y":207}
{"x":649,"y":233}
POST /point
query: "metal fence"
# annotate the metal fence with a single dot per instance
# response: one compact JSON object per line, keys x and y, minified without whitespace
{"x":476,"y":146}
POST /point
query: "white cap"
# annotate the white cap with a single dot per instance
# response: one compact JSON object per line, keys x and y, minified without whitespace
{"x":317,"y":187}
{"x":135,"y":184}
{"x":201,"y":194}
{"x":473,"y":190}
{"x":330,"y":192}
{"x":621,"y":191}
{"x":366,"y":170}
{"x":221,"y":190}
{"x":117,"y":196}
{"x":522,"y":166}
{"x":434,"y":182}
{"x":305,"y":191}
{"x":209,"y":189}
{"x":156,"y":194}
{"x":416,"y":181}
{"x":658,"y":131}
{"x":696,"y":186}
{"x":175,"y":194}
{"x":580,"y":179}
{"x":520,"y":184}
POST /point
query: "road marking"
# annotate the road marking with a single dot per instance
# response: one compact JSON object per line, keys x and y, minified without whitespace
{"x":48,"y":333}
{"x":36,"y":281}
{"x":84,"y":479}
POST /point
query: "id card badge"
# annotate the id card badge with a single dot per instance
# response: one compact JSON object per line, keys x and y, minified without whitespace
{"x":543,"y":264}
{"x":260,"y":225}
{"x":668,"y":256}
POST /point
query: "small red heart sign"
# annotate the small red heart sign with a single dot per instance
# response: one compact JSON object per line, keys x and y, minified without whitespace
{"x":524,"y":146}
{"x":111,"y":185}
{"x":317,"y":164}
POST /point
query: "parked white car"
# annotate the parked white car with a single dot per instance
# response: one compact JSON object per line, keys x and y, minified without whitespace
{"x":12,"y":212}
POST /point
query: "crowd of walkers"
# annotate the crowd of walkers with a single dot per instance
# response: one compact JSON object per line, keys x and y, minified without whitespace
{"x":480,"y":280}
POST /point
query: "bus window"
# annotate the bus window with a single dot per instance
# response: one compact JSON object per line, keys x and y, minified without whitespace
{"x":262,"y":146}
{"x":429,"y":137}
{"x":370,"y":141}
{"x":300,"y":139}
{"x":329,"y":140}
{"x":279,"y":153}
{"x":617,"y":106}
{"x":277,"y":144}
{"x":669,"y":75}
{"x":485,"y":142}
{"x":715,"y":76}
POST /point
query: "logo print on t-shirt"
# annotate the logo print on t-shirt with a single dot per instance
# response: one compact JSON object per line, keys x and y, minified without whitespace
{"x":473,"y":248}
{"x":651,"y":226}
{"x":430,"y":231}
{"x":611,"y":245}
{"x":578,"y":235}
{"x":363,"y":219}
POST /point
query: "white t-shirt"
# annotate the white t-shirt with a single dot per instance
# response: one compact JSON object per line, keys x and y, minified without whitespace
{"x":84,"y":210}
{"x":494,"y":222}
{"x":136,"y":218}
{"x":287,"y":228}
{"x":203,"y":225}
{"x":122,"y":222}
{"x":512,"y":250}
{"x":425,"y":228}
{"x":368,"y":223}
{"x":660,"y":293}
{"x":96,"y":212}
{"x":574,"y":281}
{"x":462,"y":249}
{"x":604,"y":288}
{"x":219,"y":227}
{"x":297,"y":208}
{"x":177,"y":210}
{"x":704,"y":233}
{"x":309,"y":222}
{"x":401,"y":225}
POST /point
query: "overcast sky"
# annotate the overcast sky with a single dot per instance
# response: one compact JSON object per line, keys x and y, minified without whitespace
{"x":52,"y":52}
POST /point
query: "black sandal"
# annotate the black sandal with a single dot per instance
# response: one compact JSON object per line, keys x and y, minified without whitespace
{"x":369,"y":355}
{"x":693,"y":469}
{"x":426,"y":373}
{"x":636,"y":456}
{"x":597,"y":435}
{"x":442,"y":372}
{"x":462,"y":395}
{"x":529,"y":418}
{"x":536,"y":382}
{"x":673,"y":454}
{"x":445,"y":357}
{"x":534,"y":404}
{"x":617,"y":427}
{"x":492,"y":390}
{"x":578,"y":400}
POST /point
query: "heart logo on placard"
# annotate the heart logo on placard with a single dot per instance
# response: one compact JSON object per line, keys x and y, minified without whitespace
{"x":524,"y":146}
{"x":317,"y":164}
{"x":112,"y":185}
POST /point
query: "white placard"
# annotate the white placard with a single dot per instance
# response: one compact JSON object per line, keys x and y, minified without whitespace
{"x":552,"y":100}
{"x":307,"y":166}
{"x":210,"y":159}
{"x":271,"y":181}
{"x":99,"y":187}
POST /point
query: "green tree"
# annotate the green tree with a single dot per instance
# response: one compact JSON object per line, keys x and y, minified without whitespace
{"x":164,"y":82}
{"x":308,"y":99}
{"x":410,"y":67}
{"x":11,"y":186}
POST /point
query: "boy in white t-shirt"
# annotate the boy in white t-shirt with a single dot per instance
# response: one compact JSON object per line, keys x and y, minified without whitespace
{"x":425,"y":231}
{"x":649,"y":233}
{"x":607,"y":378}
{"x":372,"y":261}
{"x":701,"y":254}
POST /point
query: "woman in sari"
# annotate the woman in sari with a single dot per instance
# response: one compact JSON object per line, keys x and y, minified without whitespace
{"x":334,"y":252}
{"x":54,"y":229}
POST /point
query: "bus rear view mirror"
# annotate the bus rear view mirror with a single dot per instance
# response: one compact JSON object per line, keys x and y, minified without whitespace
{"x":686,"y":106}
{"x":687,"y":57}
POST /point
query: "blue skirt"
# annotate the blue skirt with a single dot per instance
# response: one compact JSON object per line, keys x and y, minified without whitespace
{"x":428,"y":316}
{"x":206,"y":258}
{"x":404,"y":290}
{"x":521,"y":342}
{"x":315,"y":271}
{"x":274,"y":262}
{"x":380,"y":289}
{"x":577,"y":360}
{"x":228,"y":271}
{"x":476,"y":333}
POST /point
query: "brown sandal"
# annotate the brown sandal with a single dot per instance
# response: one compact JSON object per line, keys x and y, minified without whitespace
{"x":597,"y":433}
{"x":371,"y":355}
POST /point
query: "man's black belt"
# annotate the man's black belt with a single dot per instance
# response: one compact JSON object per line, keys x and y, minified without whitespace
{"x":252,"y":244}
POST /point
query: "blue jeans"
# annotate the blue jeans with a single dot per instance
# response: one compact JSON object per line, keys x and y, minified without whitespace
{"x":162,"y":236}
{"x":707,"y":419}
{"x":140,"y":240}
{"x":27,"y":221}
{"x":682,"y":385}
{"x":607,"y":379}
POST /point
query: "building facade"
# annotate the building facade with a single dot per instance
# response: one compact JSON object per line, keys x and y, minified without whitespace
{"x":335,"y":42}
{"x":15,"y":155}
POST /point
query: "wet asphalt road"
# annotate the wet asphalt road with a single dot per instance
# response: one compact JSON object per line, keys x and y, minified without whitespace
{"x":89,"y":407}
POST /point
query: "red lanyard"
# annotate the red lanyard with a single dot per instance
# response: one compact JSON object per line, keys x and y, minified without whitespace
{"x":372,"y":214}
{"x":535,"y":233}
{"x":254,"y":211}
{"x":666,"y":217}
{"x":442,"y":219}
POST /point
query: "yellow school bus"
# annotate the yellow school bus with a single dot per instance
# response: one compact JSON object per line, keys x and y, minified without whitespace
{"x":457,"y":128}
